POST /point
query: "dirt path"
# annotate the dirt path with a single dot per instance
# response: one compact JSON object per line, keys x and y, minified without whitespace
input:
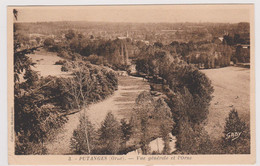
{"x":120,"y":104}
{"x":232,"y":90}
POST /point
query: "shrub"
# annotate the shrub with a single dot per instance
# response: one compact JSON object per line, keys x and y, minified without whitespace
{"x":60,"y":62}
{"x":235,"y":60}
{"x":70,"y":35}
{"x":48,"y":42}
{"x":75,"y":57}
{"x":94,"y":59}
{"x":64,"y":54}
{"x":166,"y":142}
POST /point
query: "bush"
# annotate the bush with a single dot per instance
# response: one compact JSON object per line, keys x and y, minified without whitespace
{"x":94,"y":59}
{"x":60,"y":62}
{"x":70,"y":35}
{"x":64,"y":54}
{"x":64,"y":68}
{"x":48,"y":42}
{"x":75,"y":57}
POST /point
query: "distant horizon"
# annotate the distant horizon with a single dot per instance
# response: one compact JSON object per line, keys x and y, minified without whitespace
{"x":137,"y":14}
{"x":137,"y":22}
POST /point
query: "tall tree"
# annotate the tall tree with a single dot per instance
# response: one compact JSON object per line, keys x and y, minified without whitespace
{"x":110,"y":135}
{"x":126,"y":131}
{"x":84,"y":138}
{"x":236,"y":139}
{"x":79,"y":88}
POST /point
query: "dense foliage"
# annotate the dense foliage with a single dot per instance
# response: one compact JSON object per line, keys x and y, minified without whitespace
{"x":41,"y":104}
{"x":36,"y":115}
{"x":208,"y":45}
{"x":89,"y":83}
{"x":112,"y":53}
{"x":151,"y":118}
{"x":188,"y":90}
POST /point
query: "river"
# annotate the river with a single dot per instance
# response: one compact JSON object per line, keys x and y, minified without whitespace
{"x":120,"y":104}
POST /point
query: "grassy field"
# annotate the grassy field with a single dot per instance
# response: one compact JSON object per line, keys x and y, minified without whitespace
{"x":45,"y":63}
{"x":232,"y":90}
{"x":121,"y":102}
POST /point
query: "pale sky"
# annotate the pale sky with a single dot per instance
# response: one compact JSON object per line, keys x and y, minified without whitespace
{"x":144,"y":13}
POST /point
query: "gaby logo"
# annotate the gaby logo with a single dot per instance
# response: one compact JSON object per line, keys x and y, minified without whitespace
{"x":233,"y":135}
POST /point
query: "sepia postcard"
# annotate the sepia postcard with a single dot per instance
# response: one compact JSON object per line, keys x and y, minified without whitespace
{"x":131,"y":84}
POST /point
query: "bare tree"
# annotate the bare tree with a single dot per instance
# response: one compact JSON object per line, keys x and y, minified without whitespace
{"x":79,"y":88}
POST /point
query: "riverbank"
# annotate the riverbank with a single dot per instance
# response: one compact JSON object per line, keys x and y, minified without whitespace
{"x":120,"y":104}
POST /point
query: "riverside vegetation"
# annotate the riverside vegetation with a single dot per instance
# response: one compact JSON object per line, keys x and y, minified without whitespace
{"x":42,"y":104}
